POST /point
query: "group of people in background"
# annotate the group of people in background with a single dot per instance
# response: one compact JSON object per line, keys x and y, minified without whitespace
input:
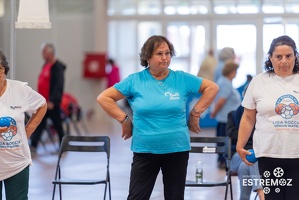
{"x":227,"y":111}
{"x":264,"y":120}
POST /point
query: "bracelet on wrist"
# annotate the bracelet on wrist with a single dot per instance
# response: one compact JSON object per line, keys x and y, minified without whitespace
{"x":125,"y":119}
{"x":195,"y":112}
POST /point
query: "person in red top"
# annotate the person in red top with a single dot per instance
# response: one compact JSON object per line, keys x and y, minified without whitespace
{"x":112,"y":73}
{"x":50,"y":85}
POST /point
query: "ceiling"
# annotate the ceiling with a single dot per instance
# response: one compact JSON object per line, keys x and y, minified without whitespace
{"x":169,"y":7}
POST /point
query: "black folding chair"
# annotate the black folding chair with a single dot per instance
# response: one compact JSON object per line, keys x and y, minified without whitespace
{"x":82,"y":144}
{"x":213,"y":145}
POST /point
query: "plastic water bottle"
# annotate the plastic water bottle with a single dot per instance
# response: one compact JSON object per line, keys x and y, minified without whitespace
{"x":199,"y":172}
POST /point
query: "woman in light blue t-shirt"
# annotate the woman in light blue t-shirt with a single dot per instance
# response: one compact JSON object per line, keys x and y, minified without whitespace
{"x":158,"y":96}
{"x":228,"y":99}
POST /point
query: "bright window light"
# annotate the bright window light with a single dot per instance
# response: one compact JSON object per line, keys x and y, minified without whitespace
{"x":169,"y":10}
{"x":183,"y":10}
{"x":272,"y":9}
{"x":247,"y":9}
{"x":221,"y":10}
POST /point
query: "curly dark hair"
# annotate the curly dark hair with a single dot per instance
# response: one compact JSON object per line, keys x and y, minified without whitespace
{"x":282,"y":40}
{"x":150,"y":45}
{"x":3,"y":62}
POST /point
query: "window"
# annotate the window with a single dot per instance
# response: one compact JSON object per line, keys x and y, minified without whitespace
{"x":272,"y":6}
{"x":194,"y":7}
{"x":195,"y":26}
{"x":179,"y":35}
{"x":243,"y":39}
{"x":271,"y":31}
{"x":2,"y":8}
{"x":149,"y":7}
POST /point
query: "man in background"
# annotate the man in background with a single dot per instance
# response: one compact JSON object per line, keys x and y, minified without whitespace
{"x":50,"y":85}
{"x":207,"y":67}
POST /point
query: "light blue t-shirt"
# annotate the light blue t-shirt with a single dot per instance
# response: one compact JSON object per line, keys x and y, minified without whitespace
{"x":232,"y":96}
{"x":159,"y":110}
{"x":218,"y":70}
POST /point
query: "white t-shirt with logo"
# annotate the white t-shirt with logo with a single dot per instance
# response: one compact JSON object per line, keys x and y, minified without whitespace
{"x":17,"y":99}
{"x":276,"y":100}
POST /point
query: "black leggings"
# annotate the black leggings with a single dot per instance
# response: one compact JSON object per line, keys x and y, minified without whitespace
{"x":145,"y":168}
{"x":280,"y":178}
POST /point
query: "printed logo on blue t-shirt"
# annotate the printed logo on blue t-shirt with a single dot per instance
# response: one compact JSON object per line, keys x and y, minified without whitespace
{"x":287,"y":106}
{"x":172,"y":96}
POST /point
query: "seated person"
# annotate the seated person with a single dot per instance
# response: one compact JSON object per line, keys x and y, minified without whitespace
{"x":244,"y":171}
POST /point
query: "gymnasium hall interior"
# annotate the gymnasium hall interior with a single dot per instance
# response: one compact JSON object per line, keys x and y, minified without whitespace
{"x":86,"y":32}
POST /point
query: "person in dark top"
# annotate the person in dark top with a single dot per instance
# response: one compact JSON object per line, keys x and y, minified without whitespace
{"x":51,"y":86}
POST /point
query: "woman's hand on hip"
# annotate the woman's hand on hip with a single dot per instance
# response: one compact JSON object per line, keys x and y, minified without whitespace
{"x":193,"y":124}
{"x":127,"y":127}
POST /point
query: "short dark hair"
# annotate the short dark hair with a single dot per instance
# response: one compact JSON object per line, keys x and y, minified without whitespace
{"x":3,"y":62}
{"x":110,"y":61}
{"x":229,"y":67}
{"x":149,"y":46}
{"x":282,"y":40}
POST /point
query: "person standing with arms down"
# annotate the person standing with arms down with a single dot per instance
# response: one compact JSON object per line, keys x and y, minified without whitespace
{"x":16,"y":98}
{"x":228,"y":99}
{"x":271,"y":104}
{"x":161,"y":140}
{"x":50,"y":85}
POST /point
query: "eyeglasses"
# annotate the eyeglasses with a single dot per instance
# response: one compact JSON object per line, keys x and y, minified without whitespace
{"x":167,"y":54}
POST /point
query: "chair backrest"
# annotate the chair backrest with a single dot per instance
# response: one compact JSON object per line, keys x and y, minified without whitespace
{"x":85,"y":144}
{"x":221,"y":145}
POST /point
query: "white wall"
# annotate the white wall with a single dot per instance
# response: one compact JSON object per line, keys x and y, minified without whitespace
{"x":73,"y":35}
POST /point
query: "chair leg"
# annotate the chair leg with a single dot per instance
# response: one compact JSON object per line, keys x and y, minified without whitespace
{"x":229,"y":187}
{"x":53,"y":195}
{"x":231,"y":190}
{"x":60,"y":192}
{"x":105,"y":191}
{"x":226,"y":190}
{"x":75,"y":125}
{"x":109,"y":187}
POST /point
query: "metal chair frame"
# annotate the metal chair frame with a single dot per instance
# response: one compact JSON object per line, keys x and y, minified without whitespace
{"x":222,"y":146}
{"x":82,"y":144}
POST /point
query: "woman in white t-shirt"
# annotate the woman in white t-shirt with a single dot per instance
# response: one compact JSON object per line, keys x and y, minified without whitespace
{"x":16,"y":98}
{"x":272,"y":105}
